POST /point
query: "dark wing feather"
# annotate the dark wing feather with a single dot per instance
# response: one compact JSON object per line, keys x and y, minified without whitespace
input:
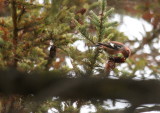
{"x":111,"y":45}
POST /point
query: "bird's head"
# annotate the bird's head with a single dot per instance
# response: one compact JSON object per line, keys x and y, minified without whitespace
{"x":126,"y":52}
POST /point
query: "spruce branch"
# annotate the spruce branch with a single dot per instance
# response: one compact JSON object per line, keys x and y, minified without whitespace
{"x":83,"y":31}
{"x":94,"y":19}
{"x":101,"y":27}
{"x":100,"y":36}
{"x":106,"y":14}
{"x":110,"y":24}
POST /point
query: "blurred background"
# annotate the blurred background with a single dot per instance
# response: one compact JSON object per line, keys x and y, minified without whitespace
{"x":58,"y":36}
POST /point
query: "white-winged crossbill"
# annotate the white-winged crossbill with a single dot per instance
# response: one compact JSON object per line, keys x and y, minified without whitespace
{"x":113,"y":48}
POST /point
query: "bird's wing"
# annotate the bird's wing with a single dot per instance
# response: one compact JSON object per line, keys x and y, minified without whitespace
{"x":112,"y":45}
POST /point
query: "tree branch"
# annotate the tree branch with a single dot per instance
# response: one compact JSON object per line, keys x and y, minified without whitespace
{"x":53,"y":84}
{"x":15,"y":30}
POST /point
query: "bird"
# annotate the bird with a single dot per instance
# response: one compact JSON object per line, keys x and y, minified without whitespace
{"x":114,"y":48}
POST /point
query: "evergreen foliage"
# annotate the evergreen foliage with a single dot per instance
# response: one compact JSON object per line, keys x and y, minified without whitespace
{"x":40,"y":38}
{"x":95,"y":28}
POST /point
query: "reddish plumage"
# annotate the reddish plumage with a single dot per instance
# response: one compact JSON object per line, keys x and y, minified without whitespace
{"x":114,"y":47}
{"x":117,"y":59}
{"x":110,"y":65}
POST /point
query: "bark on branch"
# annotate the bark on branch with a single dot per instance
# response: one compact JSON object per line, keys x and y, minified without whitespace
{"x":15,"y":31}
{"x":53,"y":84}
